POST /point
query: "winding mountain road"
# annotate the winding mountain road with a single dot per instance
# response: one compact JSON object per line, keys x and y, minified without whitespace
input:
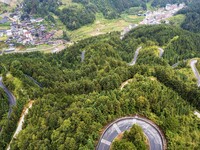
{"x":175,"y":65}
{"x":21,"y":122}
{"x":82,"y":56}
{"x":161,"y":52}
{"x":31,"y":78}
{"x":135,"y":56}
{"x":132,"y":63}
{"x":152,"y":132}
{"x":125,"y":83}
{"x":195,"y":71}
{"x":11,"y":98}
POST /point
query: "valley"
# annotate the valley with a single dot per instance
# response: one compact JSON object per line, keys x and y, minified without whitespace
{"x":37,"y":31}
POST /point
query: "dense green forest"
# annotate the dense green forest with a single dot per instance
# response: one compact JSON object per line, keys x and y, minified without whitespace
{"x":131,"y":140}
{"x":192,"y":12}
{"x":77,"y":99}
{"x":75,"y":16}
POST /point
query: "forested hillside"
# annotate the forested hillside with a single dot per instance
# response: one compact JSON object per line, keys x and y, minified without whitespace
{"x":178,"y":44}
{"x":192,"y":21}
{"x":77,"y":99}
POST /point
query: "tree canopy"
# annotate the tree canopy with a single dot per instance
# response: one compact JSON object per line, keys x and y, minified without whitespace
{"x":77,"y":99}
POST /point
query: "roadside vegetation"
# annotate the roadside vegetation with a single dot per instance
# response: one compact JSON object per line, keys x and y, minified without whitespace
{"x":131,"y":140}
{"x":4,"y":108}
{"x":198,"y":65}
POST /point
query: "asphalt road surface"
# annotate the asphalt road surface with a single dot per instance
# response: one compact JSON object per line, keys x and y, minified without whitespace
{"x":11,"y":98}
{"x":195,"y":71}
{"x":82,"y":56}
{"x":161,"y":51}
{"x":135,"y":56}
{"x":154,"y":135}
{"x":175,"y":65}
{"x":31,"y":78}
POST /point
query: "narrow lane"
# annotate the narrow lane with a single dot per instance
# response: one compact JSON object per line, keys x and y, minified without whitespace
{"x":175,"y":65}
{"x":135,"y":56}
{"x":161,"y":52}
{"x":21,"y":122}
{"x":82,"y":56}
{"x":195,"y":71}
{"x":31,"y":78}
{"x":125,"y":83}
{"x":11,"y":98}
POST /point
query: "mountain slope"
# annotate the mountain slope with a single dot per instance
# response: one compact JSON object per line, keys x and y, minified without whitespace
{"x":192,"y":21}
{"x":79,"y":98}
{"x":178,"y":43}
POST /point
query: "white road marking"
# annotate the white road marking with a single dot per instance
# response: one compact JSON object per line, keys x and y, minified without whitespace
{"x":105,"y":142}
{"x":117,"y":128}
{"x":146,"y":127}
{"x":134,"y":121}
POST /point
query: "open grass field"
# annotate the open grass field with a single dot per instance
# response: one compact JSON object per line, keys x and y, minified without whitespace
{"x":102,"y":26}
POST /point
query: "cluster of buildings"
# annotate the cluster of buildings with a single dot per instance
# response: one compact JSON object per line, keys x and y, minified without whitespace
{"x":29,"y":31}
{"x":156,"y":17}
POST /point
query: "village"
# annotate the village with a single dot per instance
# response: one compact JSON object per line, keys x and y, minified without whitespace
{"x":29,"y":31}
{"x":155,"y":17}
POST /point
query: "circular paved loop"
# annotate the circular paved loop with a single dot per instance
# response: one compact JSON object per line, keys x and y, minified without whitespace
{"x":153,"y":133}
